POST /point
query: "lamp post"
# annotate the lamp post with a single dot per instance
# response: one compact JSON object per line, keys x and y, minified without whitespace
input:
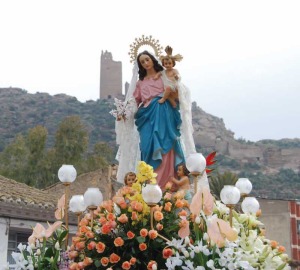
{"x":92,"y":198}
{"x":67,"y":175}
{"x":77,"y":206}
{"x":230,"y":196}
{"x":152,"y":195}
{"x":196,"y":164}
{"x":250,"y":205}
{"x":244,"y":185}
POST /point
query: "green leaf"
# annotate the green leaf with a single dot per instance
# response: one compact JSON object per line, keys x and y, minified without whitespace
{"x":281,"y":266}
{"x":97,"y":263}
{"x":140,"y":239}
{"x":62,"y":236}
{"x":49,"y":253}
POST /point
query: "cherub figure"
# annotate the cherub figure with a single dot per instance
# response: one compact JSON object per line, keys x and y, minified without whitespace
{"x":170,"y":77}
{"x":184,"y":182}
{"x":129,"y":179}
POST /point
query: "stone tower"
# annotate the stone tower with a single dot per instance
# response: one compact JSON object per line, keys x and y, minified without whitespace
{"x":110,"y":76}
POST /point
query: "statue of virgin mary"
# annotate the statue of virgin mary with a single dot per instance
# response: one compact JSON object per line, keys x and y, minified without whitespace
{"x":146,"y":130}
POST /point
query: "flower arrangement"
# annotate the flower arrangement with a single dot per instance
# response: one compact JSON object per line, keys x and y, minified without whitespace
{"x":121,"y":235}
{"x":196,"y":236}
{"x":44,"y":249}
{"x":123,"y":109}
{"x":216,"y":245}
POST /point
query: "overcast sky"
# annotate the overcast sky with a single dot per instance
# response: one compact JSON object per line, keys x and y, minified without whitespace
{"x":241,"y":58}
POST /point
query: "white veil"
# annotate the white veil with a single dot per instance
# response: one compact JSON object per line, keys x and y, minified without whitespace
{"x":127,"y":136}
{"x":186,"y":128}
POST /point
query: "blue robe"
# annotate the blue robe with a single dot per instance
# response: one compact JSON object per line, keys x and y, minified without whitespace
{"x":158,"y":126}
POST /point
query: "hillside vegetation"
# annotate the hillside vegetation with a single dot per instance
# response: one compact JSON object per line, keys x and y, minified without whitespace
{"x":22,"y":112}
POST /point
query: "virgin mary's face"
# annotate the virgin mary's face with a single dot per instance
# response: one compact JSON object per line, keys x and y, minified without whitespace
{"x":146,"y":61}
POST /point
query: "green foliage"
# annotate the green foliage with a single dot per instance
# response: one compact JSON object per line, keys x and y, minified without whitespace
{"x":13,"y":159}
{"x":217,"y":182}
{"x":283,"y":143}
{"x":228,"y":162}
{"x":71,"y":141}
{"x":28,"y":160}
{"x":283,"y":185}
{"x":244,"y":141}
{"x":100,"y":157}
{"x":36,"y":142}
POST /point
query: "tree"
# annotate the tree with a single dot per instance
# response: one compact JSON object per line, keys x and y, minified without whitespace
{"x":98,"y":159}
{"x":71,"y":141}
{"x":36,"y":143}
{"x":13,"y":160}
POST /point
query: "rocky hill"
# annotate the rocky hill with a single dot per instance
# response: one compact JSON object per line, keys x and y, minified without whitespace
{"x":21,"y":111}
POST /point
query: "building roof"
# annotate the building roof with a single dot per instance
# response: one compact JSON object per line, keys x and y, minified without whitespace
{"x":18,"y":193}
{"x":18,"y":200}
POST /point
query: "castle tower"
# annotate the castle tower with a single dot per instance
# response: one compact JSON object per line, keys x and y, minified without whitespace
{"x":110,"y":76}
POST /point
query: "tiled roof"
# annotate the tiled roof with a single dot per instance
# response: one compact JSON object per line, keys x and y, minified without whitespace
{"x":19,"y":193}
{"x":16,"y":193}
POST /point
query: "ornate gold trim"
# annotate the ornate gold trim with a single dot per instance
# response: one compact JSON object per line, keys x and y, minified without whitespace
{"x":144,"y":40}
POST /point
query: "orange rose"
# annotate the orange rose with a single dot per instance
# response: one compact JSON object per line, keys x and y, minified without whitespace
{"x":126,"y":265}
{"x":182,"y":213}
{"x":159,"y":226}
{"x":112,"y":223}
{"x":100,"y":247}
{"x":90,"y":235}
{"x":142,"y":246}
{"x":80,"y":246}
{"x":108,"y":205}
{"x":274,"y":244}
{"x":134,"y":215}
{"x":91,"y":245}
{"x":73,"y":266}
{"x":111,"y":216}
{"x":143,"y":232}
{"x":281,"y":249}
{"x":84,"y":229}
{"x":73,"y":254}
{"x":123,"y":218}
{"x":152,"y":265}
{"x":114,"y":258}
{"x":167,"y":252}
{"x":179,"y":194}
{"x":119,"y":242}
{"x":132,"y":261}
{"x":137,"y":206}
{"x":153,"y":234}
{"x":102,"y":220}
{"x":179,"y":203}
{"x":76,"y":239}
{"x":168,"y":206}
{"x":121,"y":202}
{"x":168,"y":196}
{"x":130,"y":234}
{"x":104,"y":261}
{"x":158,"y":216}
{"x":106,"y":228}
{"x":80,"y":265}
{"x":84,"y":221}
{"x":87,"y":261}
{"x":168,"y":185}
